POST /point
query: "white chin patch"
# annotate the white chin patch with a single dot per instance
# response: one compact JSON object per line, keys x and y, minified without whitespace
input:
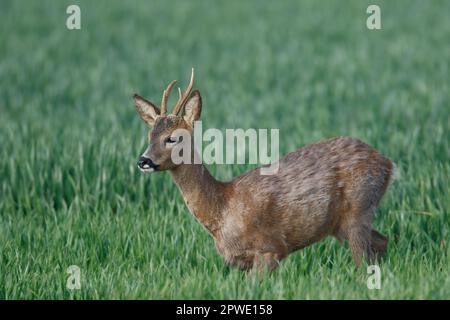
{"x":147,"y":169}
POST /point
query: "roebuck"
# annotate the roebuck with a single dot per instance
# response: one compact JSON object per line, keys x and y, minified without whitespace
{"x":328,"y":188}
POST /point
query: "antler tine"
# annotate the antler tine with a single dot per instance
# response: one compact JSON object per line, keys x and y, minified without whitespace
{"x":183,"y":97}
{"x":164,"y":97}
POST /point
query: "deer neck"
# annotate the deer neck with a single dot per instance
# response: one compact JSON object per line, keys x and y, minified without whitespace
{"x":203,"y":194}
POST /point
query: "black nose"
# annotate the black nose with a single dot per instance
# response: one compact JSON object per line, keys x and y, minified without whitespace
{"x":146,"y":163}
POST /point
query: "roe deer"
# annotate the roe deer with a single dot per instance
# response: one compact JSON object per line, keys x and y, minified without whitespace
{"x":327,"y":188}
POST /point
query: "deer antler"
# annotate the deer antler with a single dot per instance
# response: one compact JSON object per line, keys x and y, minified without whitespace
{"x":164,"y":97}
{"x":182,"y":97}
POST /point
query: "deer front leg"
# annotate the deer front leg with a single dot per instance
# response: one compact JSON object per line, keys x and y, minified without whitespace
{"x":272,"y":249}
{"x":263,"y":262}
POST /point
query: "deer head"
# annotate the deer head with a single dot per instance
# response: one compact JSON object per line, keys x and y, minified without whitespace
{"x":163,"y":135}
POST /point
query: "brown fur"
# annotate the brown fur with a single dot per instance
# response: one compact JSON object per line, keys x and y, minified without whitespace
{"x":330,"y":188}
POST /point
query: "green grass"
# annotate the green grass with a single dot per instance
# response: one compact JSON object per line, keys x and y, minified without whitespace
{"x":70,"y":193}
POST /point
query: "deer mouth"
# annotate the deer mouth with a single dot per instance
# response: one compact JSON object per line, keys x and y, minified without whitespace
{"x":146,"y":165}
{"x":146,"y":170}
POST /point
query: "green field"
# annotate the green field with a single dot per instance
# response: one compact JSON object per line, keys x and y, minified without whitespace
{"x":70,"y":192}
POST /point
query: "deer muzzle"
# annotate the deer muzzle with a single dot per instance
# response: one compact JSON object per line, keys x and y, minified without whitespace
{"x":146,"y":164}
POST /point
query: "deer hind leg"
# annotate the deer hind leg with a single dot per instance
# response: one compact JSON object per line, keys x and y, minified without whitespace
{"x":379,"y":243}
{"x":360,"y":242}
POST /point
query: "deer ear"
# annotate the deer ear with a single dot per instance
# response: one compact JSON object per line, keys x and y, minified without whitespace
{"x":193,"y":108}
{"x":147,"y":110}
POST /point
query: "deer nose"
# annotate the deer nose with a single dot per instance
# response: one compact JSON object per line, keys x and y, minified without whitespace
{"x":146,"y":163}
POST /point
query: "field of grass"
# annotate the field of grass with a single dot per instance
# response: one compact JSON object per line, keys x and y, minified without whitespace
{"x":70,"y":192}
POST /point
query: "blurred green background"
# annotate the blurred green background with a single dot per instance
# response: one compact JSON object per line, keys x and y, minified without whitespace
{"x":70,"y":193}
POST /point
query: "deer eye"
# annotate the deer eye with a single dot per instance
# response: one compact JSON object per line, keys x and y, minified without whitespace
{"x":171,"y":140}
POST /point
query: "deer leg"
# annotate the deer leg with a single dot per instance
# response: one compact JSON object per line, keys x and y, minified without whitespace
{"x":359,"y":239}
{"x":269,"y":250}
{"x":264,"y":262}
{"x":379,"y":243}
